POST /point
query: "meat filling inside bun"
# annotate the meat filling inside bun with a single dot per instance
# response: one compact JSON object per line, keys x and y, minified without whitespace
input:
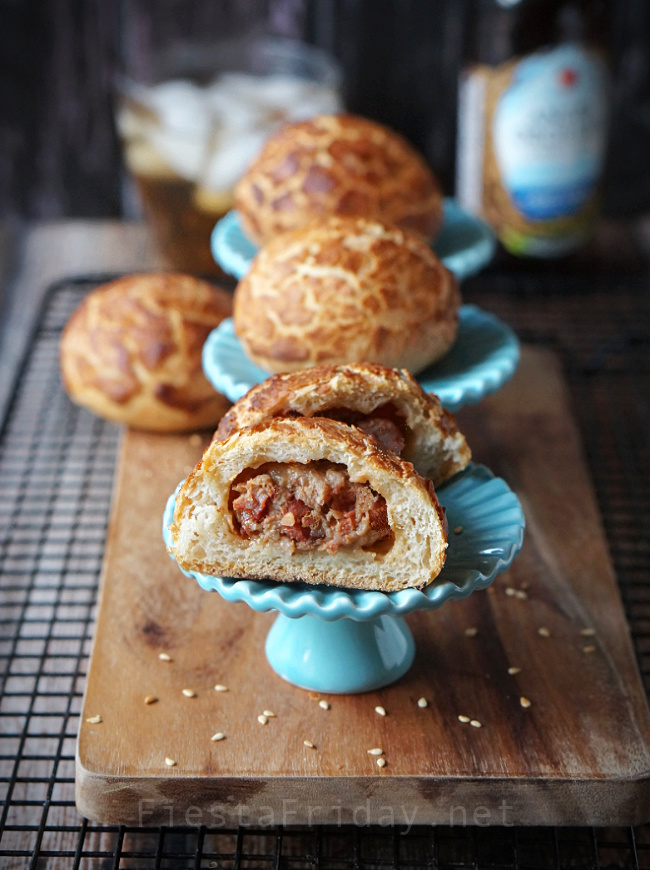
{"x":309,"y":500}
{"x":308,"y":506}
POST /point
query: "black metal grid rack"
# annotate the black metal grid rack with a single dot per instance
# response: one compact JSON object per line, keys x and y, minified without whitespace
{"x":56,"y":473}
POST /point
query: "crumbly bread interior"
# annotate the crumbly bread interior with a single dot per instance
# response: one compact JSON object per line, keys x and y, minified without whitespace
{"x":206,"y":537}
{"x":432,"y":440}
{"x":345,"y":291}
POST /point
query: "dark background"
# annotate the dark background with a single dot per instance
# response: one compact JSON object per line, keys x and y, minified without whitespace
{"x":59,"y":154}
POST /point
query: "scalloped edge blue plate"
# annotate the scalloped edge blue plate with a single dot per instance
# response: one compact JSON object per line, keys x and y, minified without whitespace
{"x":493,"y":525}
{"x":466,"y":244}
{"x":484,"y":356}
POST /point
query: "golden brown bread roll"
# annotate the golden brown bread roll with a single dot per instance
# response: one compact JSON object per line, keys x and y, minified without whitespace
{"x":337,"y":165}
{"x":131,"y":352}
{"x":346,"y":290}
{"x":313,"y":500}
{"x":386,"y":403}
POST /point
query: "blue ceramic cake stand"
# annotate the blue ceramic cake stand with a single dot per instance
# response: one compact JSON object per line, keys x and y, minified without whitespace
{"x":346,"y":641}
{"x":466,"y":244}
{"x":484,"y":356}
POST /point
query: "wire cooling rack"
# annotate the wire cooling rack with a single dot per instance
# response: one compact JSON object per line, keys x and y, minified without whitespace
{"x":56,"y":473}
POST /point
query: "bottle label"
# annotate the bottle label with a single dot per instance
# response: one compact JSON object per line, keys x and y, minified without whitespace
{"x":536,"y":127}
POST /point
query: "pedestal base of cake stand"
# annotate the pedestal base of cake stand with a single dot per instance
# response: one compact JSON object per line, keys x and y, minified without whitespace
{"x":344,"y":641}
{"x":340,"y":657}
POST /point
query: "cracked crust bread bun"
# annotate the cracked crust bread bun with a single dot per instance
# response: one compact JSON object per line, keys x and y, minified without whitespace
{"x":340,"y":165}
{"x":346,"y":290}
{"x":385,"y":403}
{"x":310,"y":500}
{"x":131,"y":352}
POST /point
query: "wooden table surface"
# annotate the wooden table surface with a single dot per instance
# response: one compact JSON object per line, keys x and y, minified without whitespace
{"x":579,"y":753}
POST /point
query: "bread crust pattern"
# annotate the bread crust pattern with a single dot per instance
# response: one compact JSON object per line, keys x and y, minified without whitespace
{"x":340,"y":165}
{"x":206,"y":538}
{"x":131,"y":352}
{"x":346,"y":290}
{"x":432,"y":440}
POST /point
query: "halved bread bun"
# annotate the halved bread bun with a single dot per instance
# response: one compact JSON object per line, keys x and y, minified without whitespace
{"x":310,"y":500}
{"x":384,"y":402}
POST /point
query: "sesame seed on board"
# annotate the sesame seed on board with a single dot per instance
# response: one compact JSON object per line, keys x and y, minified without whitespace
{"x":220,"y":688}
{"x":381,"y":762}
{"x":218,"y":736}
{"x":170,"y":762}
{"x":150,"y":699}
{"x":189,"y":693}
{"x":165,"y":657}
{"x":323,"y":704}
{"x":521,"y":594}
{"x":524,"y":702}
{"x":308,"y":744}
{"x":422,"y":702}
{"x":95,"y":720}
{"x":380,"y":711}
{"x":262,"y":719}
{"x":376,"y":751}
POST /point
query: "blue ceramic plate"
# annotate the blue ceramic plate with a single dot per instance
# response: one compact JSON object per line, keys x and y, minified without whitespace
{"x":493,"y":529}
{"x":484,"y":356}
{"x":465,"y":245}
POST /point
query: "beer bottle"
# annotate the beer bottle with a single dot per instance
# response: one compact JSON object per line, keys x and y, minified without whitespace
{"x":532,"y":121}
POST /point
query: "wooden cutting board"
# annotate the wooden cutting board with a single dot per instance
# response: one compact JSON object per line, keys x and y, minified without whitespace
{"x":579,"y":754}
